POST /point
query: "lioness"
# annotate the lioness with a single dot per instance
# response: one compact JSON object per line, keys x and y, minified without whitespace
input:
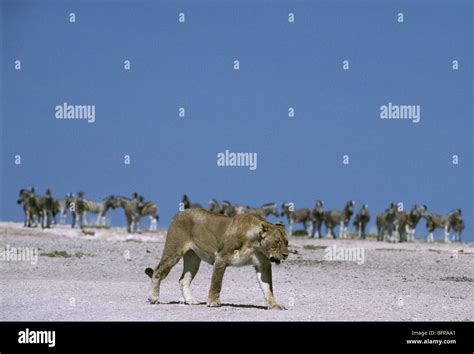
{"x":197,"y":234}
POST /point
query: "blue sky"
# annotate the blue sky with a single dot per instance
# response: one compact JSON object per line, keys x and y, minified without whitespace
{"x":282,"y":65}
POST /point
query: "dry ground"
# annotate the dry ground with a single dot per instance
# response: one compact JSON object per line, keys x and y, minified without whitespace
{"x":104,"y":280}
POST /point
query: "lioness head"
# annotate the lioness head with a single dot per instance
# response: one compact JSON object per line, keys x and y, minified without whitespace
{"x":274,"y":243}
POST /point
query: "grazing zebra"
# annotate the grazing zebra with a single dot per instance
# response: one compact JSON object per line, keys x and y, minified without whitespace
{"x":187,"y":203}
{"x":214,"y":206}
{"x":132,"y":209}
{"x":446,"y":222}
{"x":318,"y":218}
{"x":30,"y":207}
{"x":302,"y":215}
{"x":386,"y":222}
{"x":264,"y":210}
{"x":150,"y":209}
{"x":84,"y":206}
{"x":361,"y":220}
{"x":335,"y":217}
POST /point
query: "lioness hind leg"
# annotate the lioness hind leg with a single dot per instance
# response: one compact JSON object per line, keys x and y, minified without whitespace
{"x":160,"y":273}
{"x":191,"y":267}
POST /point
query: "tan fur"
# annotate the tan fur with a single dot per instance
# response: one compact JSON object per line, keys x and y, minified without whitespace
{"x":196,"y":234}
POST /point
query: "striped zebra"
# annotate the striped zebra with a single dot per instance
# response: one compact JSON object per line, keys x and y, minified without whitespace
{"x":84,"y":206}
{"x":228,"y":209}
{"x":265,"y":210}
{"x":131,"y":209}
{"x":318,"y":218}
{"x":61,"y":206}
{"x":37,"y":209}
{"x":386,"y":222}
{"x":335,"y":217}
{"x":458,"y":227}
{"x":214,"y":206}
{"x":186,"y":203}
{"x":302,"y":215}
{"x":406,"y":222}
{"x":30,"y":207}
{"x":147,"y":208}
{"x":361,"y":220}
{"x":452,"y":220}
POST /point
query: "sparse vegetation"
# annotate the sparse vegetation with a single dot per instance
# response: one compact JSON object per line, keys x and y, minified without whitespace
{"x":313,"y":247}
{"x":96,"y":227}
{"x":300,"y":233}
{"x":64,"y":254}
{"x":458,"y":279}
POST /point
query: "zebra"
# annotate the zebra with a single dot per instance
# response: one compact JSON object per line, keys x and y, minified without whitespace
{"x":228,"y":209}
{"x":61,"y":206}
{"x":458,"y":227}
{"x":386,"y":222}
{"x":335,"y":217}
{"x":84,"y":206}
{"x":406,"y":222}
{"x":186,"y":203}
{"x":265,"y":210}
{"x":30,"y":207}
{"x":132,"y":209}
{"x":361,"y":220}
{"x":148,"y":208}
{"x":446,"y":222}
{"x":318,"y":218}
{"x":214,"y":206}
{"x":302,"y":215}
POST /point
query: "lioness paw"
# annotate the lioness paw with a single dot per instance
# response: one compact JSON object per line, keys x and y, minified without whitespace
{"x":192,"y":302}
{"x":214,"y":303}
{"x":276,"y":307}
{"x":153,"y":300}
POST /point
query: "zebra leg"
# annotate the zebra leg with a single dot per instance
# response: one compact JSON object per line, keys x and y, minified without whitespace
{"x":446,"y":234}
{"x":430,"y":237}
{"x":153,"y":223}
{"x":290,"y":228}
{"x":341,"y":229}
{"x":49,"y":217}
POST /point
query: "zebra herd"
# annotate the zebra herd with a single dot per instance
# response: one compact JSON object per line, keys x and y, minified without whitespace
{"x":393,"y":224}
{"x":43,"y":209}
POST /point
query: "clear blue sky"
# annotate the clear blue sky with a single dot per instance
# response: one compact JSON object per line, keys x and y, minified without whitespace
{"x":282,"y":65}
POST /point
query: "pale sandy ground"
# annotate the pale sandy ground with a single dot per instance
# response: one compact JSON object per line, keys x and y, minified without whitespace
{"x":399,"y":282}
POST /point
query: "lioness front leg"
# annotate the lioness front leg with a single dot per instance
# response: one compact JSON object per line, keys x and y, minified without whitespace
{"x":216,"y":283}
{"x":264,"y":277}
